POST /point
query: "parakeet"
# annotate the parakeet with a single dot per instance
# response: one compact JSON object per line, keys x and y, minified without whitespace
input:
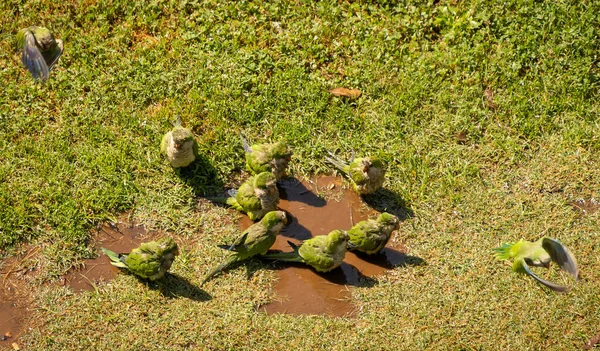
{"x":255,"y":240}
{"x":40,"y":51}
{"x":151,"y":260}
{"x":539,"y":254}
{"x":370,"y":236}
{"x":366,"y":174}
{"x":180,"y":146}
{"x":267,"y":157}
{"x":257,"y":196}
{"x":324,"y":252}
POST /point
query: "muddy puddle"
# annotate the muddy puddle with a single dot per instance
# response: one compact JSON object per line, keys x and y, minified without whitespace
{"x":119,"y":237}
{"x":16,"y":302}
{"x":586,"y":207}
{"x":300,"y":289}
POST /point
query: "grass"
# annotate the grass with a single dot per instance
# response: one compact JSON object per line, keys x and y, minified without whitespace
{"x":520,"y":78}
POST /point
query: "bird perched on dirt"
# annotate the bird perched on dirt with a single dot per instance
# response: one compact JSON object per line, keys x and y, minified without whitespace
{"x":257,"y":196}
{"x":539,"y":254}
{"x":179,"y":145}
{"x":39,"y":50}
{"x":256,"y":240}
{"x":151,"y":260}
{"x":370,"y":236}
{"x":267,"y":157}
{"x":323,"y":252}
{"x":366,"y":173}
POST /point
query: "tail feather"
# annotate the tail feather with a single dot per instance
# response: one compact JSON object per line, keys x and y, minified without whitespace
{"x":231,"y":260}
{"x":245,"y":144}
{"x":115,"y":260}
{"x":284,"y":256}
{"x":230,"y":201}
{"x":337,"y":162}
{"x":503,"y":252}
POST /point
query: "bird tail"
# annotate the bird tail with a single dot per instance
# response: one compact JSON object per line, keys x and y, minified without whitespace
{"x":177,"y":122}
{"x":336,"y":161}
{"x":285,"y":256}
{"x":245,"y":144}
{"x":230,"y":201}
{"x":231,"y":260}
{"x":115,"y":260}
{"x":503,"y":251}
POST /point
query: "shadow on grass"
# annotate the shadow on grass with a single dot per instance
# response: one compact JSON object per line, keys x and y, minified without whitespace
{"x":389,"y":258}
{"x":201,"y":176}
{"x":175,"y":286}
{"x":385,"y":200}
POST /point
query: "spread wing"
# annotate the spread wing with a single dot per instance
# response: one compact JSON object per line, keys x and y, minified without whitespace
{"x":555,"y":287}
{"x":561,"y":256}
{"x":32,"y":58}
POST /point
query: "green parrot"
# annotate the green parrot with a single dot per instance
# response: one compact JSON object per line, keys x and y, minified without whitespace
{"x":256,"y":240}
{"x":267,"y":157}
{"x":257,"y":196}
{"x":323,"y":252}
{"x":366,"y":174}
{"x":539,"y":254}
{"x":179,"y":145}
{"x":151,"y":260}
{"x":40,"y":51}
{"x":370,"y":236}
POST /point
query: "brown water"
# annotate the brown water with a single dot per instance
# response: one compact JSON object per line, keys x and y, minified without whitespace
{"x":120,"y":238}
{"x":300,"y":289}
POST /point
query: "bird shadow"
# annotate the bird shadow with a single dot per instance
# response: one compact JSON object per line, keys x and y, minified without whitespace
{"x":345,"y":274}
{"x":176,"y":286}
{"x":294,"y":229}
{"x":292,"y":189}
{"x":389,"y":258}
{"x":385,"y":200}
{"x":201,"y":176}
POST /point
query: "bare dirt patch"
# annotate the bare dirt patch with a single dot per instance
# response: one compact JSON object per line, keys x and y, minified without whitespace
{"x":300,"y":289}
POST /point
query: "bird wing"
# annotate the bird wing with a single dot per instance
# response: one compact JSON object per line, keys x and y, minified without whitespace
{"x":236,"y":245}
{"x":32,"y":58}
{"x":51,"y":57}
{"x":555,"y":287}
{"x":561,"y":256}
{"x":245,"y":144}
{"x":115,"y":259}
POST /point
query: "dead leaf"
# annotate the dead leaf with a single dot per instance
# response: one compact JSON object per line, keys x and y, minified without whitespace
{"x":15,"y":346}
{"x":345,"y":92}
{"x":8,"y":334}
{"x":592,"y":342}
{"x":489,"y":99}
{"x":461,"y":137}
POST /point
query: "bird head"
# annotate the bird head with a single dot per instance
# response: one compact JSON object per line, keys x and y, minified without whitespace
{"x":338,"y":236}
{"x":274,"y":218}
{"x":266,"y":180}
{"x":389,"y":219}
{"x":181,"y":136}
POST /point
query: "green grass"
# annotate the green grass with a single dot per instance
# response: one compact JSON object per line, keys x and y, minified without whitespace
{"x":84,"y":147}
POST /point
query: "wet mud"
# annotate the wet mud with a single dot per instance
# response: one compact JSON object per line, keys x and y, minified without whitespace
{"x":317,"y":207}
{"x":120,"y":238}
{"x":16,"y":302}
